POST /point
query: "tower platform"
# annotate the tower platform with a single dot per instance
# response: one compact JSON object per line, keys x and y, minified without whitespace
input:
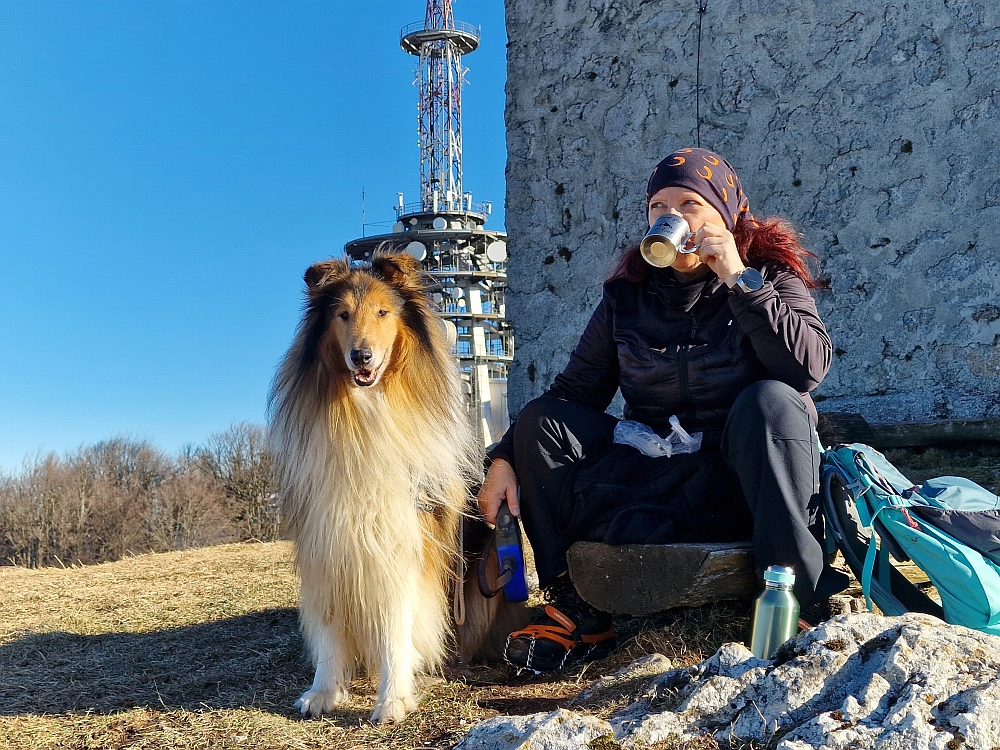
{"x":465,"y":37}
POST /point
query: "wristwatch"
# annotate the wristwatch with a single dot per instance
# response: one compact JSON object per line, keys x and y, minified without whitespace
{"x":749,"y":281}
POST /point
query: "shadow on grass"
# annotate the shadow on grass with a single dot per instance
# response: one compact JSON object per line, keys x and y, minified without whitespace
{"x":252,"y":661}
{"x":257,"y":661}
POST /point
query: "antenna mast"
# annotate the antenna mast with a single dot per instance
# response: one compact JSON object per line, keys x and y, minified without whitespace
{"x":440,"y":43}
{"x":466,"y":264}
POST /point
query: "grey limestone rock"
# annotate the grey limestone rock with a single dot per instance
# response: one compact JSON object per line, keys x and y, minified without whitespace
{"x":558,"y":730}
{"x":857,"y":681}
{"x":632,"y":680}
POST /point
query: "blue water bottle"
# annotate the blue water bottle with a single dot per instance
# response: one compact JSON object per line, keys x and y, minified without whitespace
{"x":510,"y":556}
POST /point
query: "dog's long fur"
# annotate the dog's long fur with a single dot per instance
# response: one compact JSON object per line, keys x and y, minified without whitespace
{"x":374,"y":463}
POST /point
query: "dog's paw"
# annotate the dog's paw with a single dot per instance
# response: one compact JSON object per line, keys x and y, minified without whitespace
{"x":392,"y":711}
{"x":312,"y":703}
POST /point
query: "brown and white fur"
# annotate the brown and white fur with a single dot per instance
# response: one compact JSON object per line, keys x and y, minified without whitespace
{"x":375,"y":450}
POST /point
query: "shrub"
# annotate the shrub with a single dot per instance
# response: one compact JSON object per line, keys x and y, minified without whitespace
{"x":123,"y":496}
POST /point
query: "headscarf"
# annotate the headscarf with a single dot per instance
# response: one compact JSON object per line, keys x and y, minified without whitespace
{"x":707,"y":174}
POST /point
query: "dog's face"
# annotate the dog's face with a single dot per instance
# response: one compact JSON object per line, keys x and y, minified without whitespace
{"x":359,"y":313}
{"x":364,"y":324}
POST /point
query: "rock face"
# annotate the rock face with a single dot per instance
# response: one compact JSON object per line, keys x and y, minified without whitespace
{"x":857,"y":681}
{"x":558,"y":730}
{"x":873,"y":127}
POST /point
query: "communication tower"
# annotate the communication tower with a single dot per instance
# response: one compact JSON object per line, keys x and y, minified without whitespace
{"x":445,"y":230}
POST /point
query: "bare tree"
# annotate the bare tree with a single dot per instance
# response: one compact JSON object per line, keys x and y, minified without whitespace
{"x":34,"y":518}
{"x":118,"y":480}
{"x":238,"y":459}
{"x":123,"y":495}
{"x":191,"y":511}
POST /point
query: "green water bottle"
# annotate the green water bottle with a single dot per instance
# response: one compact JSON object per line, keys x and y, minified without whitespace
{"x":775,"y":612}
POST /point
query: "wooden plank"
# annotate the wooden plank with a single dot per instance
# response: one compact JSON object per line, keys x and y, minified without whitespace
{"x":843,"y":427}
{"x":640,"y":579}
{"x":914,"y":434}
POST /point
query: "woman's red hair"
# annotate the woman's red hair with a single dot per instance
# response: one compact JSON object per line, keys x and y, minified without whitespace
{"x":758,"y":242}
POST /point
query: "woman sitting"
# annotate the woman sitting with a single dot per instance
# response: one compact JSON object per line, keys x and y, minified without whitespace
{"x":728,"y":339}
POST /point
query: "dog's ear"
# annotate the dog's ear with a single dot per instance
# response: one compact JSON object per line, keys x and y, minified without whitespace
{"x":401,"y":270}
{"x":326,"y":272}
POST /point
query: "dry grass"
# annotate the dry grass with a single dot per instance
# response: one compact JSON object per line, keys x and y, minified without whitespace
{"x":978,"y":461}
{"x":200,"y":649}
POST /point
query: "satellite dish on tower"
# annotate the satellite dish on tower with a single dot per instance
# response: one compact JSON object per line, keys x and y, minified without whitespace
{"x":417,"y":249}
{"x":450,"y":331}
{"x":497,"y":251}
{"x":439,"y":223}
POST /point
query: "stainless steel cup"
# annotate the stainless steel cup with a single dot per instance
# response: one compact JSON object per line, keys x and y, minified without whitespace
{"x":667,"y":237}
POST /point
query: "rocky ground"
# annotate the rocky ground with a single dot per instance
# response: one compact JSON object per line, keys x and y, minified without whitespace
{"x":858,"y":681}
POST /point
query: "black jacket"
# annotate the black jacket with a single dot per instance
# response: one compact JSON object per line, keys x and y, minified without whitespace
{"x":690,"y":348}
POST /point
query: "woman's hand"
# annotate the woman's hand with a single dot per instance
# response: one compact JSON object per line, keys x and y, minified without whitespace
{"x":500,"y":484}
{"x":718,"y":251}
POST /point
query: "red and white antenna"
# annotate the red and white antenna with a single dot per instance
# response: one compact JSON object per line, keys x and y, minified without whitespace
{"x":440,"y":42}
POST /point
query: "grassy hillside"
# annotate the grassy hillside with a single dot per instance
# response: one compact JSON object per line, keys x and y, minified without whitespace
{"x":200,"y":649}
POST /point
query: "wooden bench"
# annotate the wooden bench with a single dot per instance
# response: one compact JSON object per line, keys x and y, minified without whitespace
{"x":639,"y":579}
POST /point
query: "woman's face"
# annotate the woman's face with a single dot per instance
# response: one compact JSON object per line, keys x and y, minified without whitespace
{"x":695,"y":210}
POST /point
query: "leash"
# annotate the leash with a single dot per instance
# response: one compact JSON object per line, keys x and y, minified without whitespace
{"x":508,"y":573}
{"x":458,"y":603}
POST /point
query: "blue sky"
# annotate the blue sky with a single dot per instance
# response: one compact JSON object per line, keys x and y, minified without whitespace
{"x":168,"y":170}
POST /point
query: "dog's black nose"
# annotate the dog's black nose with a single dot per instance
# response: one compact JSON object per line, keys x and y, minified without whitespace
{"x":361,"y":357}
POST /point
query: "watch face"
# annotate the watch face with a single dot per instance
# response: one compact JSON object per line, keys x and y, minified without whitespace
{"x":750,"y":280}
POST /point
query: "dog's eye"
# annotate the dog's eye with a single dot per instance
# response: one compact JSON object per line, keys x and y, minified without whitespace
{"x":383,"y":313}
{"x":344,"y":315}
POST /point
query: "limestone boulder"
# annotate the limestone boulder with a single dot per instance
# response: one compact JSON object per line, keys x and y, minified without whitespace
{"x":557,"y":730}
{"x":857,"y":681}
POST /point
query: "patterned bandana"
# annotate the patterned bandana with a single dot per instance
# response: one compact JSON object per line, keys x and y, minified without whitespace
{"x":709,"y":175}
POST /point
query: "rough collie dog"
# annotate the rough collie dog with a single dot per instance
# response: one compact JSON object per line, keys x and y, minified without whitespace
{"x":375,"y":450}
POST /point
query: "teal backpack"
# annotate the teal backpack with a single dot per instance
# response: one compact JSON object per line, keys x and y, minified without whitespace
{"x":949,"y":527}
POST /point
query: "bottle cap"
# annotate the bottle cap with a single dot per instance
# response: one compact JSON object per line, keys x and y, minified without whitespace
{"x":779,"y":574}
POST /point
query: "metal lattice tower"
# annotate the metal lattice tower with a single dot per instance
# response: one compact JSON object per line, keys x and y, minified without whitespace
{"x":440,"y":43}
{"x":465,"y":263}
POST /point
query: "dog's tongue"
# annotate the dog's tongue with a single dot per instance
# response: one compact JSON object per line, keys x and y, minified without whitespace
{"x":364,"y":376}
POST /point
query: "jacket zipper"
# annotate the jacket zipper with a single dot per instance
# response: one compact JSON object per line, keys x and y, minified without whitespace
{"x":682,"y":361}
{"x":682,"y":372}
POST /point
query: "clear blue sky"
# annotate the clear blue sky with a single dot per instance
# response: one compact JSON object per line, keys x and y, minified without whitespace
{"x":168,"y":170}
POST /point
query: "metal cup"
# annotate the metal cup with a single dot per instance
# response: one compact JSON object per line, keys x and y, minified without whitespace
{"x":667,"y":237}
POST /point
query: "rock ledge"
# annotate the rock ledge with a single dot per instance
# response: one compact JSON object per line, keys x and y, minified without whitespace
{"x":856,"y":681}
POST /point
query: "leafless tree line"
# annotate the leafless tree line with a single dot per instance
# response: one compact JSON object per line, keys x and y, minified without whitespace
{"x":124,"y":496}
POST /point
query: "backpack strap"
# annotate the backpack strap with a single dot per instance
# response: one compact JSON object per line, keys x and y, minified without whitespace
{"x":866,"y":575}
{"x":881,"y":552}
{"x":882,"y":495}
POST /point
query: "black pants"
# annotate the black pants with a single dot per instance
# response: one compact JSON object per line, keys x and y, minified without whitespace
{"x":761,"y":482}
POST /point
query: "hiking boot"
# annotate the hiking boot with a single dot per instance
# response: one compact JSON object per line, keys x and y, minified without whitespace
{"x":567,"y":630}
{"x":816,"y":613}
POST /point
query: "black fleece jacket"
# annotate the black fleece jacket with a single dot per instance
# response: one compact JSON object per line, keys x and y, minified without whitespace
{"x":690,"y":348}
